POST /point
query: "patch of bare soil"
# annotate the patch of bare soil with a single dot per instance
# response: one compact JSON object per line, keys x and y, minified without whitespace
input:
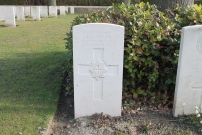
{"x":141,"y":121}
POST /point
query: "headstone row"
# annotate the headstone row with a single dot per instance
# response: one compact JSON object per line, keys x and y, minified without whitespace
{"x":36,"y":12}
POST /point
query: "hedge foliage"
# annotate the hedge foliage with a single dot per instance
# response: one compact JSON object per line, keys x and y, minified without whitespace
{"x":63,"y":2}
{"x":152,"y":40}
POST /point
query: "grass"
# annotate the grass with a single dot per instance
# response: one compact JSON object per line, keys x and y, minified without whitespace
{"x":32,"y":60}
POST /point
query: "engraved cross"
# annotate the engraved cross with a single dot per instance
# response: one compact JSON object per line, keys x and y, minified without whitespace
{"x":98,"y":69}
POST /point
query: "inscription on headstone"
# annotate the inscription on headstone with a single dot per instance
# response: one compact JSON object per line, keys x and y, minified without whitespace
{"x":98,"y":68}
{"x":189,"y":74}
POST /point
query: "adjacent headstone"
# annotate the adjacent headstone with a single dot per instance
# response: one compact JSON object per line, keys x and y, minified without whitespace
{"x":2,"y":13}
{"x":98,"y":68}
{"x":72,"y":10}
{"x":15,"y":11}
{"x":53,"y":11}
{"x":10,"y":17}
{"x":66,"y":9}
{"x":35,"y":13}
{"x":27,"y":11}
{"x":188,"y":90}
{"x":62,"y":10}
{"x":44,"y":11}
{"x":20,"y":13}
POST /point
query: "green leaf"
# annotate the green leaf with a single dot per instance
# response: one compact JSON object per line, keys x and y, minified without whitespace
{"x":135,"y":95}
{"x":169,"y":81}
{"x":139,"y":91}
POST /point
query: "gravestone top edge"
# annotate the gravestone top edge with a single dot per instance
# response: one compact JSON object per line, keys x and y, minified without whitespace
{"x":104,"y":24}
{"x":193,"y":27}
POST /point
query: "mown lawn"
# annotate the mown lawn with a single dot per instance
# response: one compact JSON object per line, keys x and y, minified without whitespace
{"x":32,"y":61}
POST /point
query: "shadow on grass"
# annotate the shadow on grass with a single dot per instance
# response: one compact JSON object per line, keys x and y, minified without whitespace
{"x":2,"y":26}
{"x":30,"y":89}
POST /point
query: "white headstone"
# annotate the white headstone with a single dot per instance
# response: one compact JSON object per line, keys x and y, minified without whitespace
{"x":44,"y":11}
{"x":2,"y":13}
{"x":10,"y":17}
{"x":35,"y":13}
{"x":62,"y":10}
{"x":53,"y":11}
{"x":98,"y":68}
{"x":15,"y":11}
{"x":27,"y":11}
{"x":72,"y":10}
{"x":67,"y":9}
{"x":188,"y":88}
{"x":20,"y":13}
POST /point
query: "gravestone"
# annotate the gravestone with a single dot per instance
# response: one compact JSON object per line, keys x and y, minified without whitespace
{"x":53,"y":11}
{"x":15,"y":11}
{"x":10,"y":17}
{"x":20,"y":13}
{"x":188,"y":88}
{"x":27,"y":11}
{"x":62,"y":10}
{"x":66,"y":9}
{"x":35,"y":13}
{"x":72,"y":10}
{"x":2,"y":14}
{"x":44,"y":11}
{"x":98,"y":68}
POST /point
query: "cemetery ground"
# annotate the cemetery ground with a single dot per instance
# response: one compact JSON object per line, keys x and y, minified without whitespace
{"x":32,"y":61}
{"x":32,"y":72}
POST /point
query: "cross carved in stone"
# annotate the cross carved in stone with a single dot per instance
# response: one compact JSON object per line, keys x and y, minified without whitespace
{"x":98,"y":69}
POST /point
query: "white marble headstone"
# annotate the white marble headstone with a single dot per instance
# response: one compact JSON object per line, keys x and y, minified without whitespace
{"x":27,"y":11}
{"x":62,"y":10}
{"x":10,"y":17}
{"x":36,"y":13}
{"x":15,"y":11}
{"x":20,"y":13}
{"x":44,"y":11}
{"x":188,"y":88}
{"x":2,"y":13}
{"x":67,"y":9}
{"x":98,"y":68}
{"x":53,"y":11}
{"x":72,"y":10}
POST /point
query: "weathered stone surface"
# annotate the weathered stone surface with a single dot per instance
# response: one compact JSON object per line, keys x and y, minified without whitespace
{"x":188,"y":88}
{"x":98,"y":68}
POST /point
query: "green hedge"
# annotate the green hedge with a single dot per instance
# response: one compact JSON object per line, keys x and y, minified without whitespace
{"x":152,"y":40}
{"x":11,"y":2}
{"x":69,"y":2}
{"x":63,"y":2}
